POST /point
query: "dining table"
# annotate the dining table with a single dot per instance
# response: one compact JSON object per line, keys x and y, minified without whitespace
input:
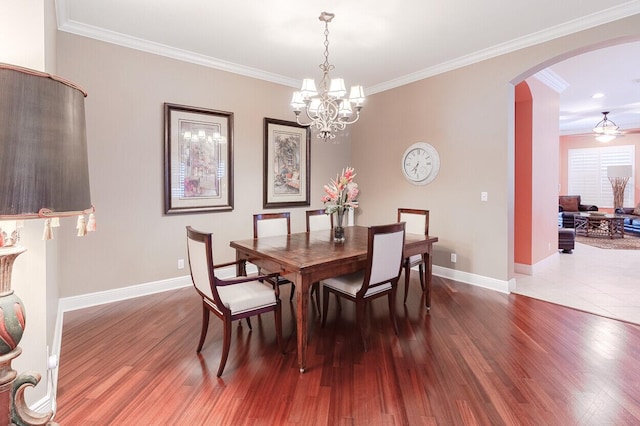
{"x":308,"y":257}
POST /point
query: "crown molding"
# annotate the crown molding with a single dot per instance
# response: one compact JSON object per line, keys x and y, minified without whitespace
{"x":599,"y":18}
{"x":603,"y":17}
{"x":552,"y":80}
{"x":120,"y":39}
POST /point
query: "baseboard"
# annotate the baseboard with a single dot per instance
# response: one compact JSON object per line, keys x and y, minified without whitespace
{"x":520,"y":268}
{"x":472,"y":279}
{"x":524,"y":269}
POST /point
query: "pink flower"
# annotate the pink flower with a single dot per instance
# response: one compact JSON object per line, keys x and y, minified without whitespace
{"x":341,"y":192}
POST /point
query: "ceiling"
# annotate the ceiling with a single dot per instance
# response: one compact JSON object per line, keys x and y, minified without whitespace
{"x":378,"y":44}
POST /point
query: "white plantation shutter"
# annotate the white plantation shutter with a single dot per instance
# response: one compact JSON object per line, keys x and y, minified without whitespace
{"x":587,"y":174}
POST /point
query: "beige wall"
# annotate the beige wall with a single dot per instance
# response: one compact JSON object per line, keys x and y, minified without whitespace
{"x":467,"y":114}
{"x":135,"y":242}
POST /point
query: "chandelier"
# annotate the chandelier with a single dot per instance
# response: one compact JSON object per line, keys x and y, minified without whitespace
{"x":606,"y":130}
{"x":329,"y":111}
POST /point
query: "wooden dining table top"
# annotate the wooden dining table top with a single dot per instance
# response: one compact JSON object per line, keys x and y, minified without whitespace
{"x":308,"y":257}
{"x":306,"y":251}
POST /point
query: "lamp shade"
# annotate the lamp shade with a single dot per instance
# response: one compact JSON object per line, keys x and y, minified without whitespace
{"x":43,"y":145}
{"x":624,"y":171}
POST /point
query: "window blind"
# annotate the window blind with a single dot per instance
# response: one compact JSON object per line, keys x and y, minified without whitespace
{"x":587,"y":174}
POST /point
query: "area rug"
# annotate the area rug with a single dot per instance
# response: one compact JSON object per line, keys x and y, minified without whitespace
{"x":629,"y":242}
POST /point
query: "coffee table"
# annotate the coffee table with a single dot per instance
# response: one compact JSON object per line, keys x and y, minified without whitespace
{"x":604,"y":226}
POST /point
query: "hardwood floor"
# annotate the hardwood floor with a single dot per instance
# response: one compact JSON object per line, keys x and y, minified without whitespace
{"x":479,"y":358}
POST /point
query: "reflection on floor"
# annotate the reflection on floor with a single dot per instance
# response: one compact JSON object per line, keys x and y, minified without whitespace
{"x":603,"y":282}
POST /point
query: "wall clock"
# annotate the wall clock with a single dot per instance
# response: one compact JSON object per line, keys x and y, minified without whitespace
{"x":420,"y":163}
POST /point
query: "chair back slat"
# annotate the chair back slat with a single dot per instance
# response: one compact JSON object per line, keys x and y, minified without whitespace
{"x":271,"y":224}
{"x":199,"y":267}
{"x":200,"y":255}
{"x":417,"y":221}
{"x":318,"y":220}
{"x":384,"y":256}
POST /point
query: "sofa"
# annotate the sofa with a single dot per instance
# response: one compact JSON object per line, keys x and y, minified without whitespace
{"x":631,"y":219}
{"x":569,"y":206}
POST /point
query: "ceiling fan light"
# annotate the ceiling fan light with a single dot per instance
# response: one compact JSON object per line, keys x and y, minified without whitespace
{"x":604,"y":138}
{"x":606,"y":129}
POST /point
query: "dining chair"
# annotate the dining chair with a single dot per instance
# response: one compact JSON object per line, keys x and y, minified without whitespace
{"x":318,"y":220}
{"x":385,"y":244}
{"x":229,"y":299}
{"x":417,"y":222}
{"x":270,"y":225}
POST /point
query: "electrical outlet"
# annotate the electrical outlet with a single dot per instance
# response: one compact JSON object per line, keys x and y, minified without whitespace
{"x":180,"y":263}
{"x":454,"y":258}
{"x":484,"y":196}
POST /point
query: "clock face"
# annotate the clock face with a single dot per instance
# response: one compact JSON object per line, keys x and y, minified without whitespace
{"x":420,"y":163}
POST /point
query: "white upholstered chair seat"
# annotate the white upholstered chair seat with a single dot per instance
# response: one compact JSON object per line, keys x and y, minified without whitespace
{"x":415,"y":258}
{"x":244,"y":297}
{"x":350,"y":284}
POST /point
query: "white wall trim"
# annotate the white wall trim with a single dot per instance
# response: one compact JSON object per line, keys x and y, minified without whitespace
{"x":472,"y":279}
{"x":521,"y":268}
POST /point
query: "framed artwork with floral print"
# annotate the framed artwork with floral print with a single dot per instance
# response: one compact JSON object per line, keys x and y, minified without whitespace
{"x":198,"y":159}
{"x":286,"y":164}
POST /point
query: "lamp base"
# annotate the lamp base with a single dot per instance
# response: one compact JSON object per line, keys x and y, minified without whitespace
{"x":618,"y":184}
{"x":13,"y":407}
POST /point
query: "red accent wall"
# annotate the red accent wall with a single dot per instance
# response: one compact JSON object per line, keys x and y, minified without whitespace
{"x":523,"y":171}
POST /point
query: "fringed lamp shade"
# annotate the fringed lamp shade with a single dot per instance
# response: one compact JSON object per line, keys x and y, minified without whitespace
{"x":43,"y":145}
{"x":44,"y":173}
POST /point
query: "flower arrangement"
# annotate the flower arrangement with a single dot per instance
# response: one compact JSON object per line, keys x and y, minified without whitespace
{"x":341,"y":192}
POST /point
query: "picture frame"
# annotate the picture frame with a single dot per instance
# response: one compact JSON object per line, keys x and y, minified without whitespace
{"x":198,"y":173}
{"x":287,"y":164}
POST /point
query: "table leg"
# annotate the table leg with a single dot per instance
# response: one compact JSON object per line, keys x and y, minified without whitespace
{"x":428,"y":266}
{"x":241,"y":266}
{"x":302,"y":320}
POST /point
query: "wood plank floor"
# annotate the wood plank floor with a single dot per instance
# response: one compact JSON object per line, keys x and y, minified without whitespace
{"x":479,"y":358}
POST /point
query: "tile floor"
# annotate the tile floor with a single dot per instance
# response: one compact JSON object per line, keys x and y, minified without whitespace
{"x":603,"y":282}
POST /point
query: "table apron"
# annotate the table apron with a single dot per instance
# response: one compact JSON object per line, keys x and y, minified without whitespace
{"x":309,"y":275}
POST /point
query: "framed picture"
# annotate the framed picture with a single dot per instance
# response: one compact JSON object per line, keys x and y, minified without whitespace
{"x":198,"y":146}
{"x":286,"y":163}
